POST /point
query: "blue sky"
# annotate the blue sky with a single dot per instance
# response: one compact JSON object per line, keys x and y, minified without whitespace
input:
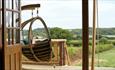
{"x":68,"y":13}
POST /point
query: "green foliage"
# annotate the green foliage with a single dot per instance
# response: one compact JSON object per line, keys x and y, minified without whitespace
{"x":73,"y":34}
{"x":104,"y":31}
{"x":36,"y":32}
{"x":112,"y":41}
{"x":75,"y":43}
{"x":104,"y":40}
{"x":58,"y":33}
{"x":100,"y":31}
{"x":102,"y":48}
{"x":77,"y":32}
{"x":90,"y":42}
{"x":107,"y":58}
{"x":39,"y":32}
{"x":72,"y":50}
{"x":79,"y":37}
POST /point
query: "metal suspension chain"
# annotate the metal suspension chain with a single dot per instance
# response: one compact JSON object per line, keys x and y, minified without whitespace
{"x":37,"y":12}
{"x":32,"y":13}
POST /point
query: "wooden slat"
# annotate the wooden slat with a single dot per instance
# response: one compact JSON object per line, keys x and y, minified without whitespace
{"x":56,"y":52}
{"x":17,"y":61}
{"x":12,"y":62}
{"x":7,"y":62}
{"x":12,"y":10}
{"x":13,"y":27}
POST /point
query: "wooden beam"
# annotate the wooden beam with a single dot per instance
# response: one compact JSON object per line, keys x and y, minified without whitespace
{"x":30,"y":7}
{"x":85,"y":36}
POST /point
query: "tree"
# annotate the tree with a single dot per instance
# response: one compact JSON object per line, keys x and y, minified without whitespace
{"x":59,"y":33}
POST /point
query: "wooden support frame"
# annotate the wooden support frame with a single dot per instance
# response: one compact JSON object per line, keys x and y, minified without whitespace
{"x":85,"y":37}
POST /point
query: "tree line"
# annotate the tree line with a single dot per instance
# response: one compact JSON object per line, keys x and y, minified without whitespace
{"x":70,"y":34}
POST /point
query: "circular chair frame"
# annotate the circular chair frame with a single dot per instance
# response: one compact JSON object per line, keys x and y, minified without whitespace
{"x":31,"y":21}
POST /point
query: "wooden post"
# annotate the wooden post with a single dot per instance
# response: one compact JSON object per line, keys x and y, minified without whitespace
{"x":61,"y":44}
{"x":3,"y":34}
{"x":61,"y":61}
{"x":0,"y":24}
{"x":85,"y":37}
{"x":94,"y":36}
{"x":67,"y":58}
{"x":63,"y":50}
{"x":62,"y":53}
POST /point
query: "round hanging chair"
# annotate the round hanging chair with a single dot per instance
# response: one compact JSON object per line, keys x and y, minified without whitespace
{"x":40,"y":50}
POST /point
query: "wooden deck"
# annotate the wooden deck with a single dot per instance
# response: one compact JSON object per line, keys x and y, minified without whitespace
{"x":41,"y":67}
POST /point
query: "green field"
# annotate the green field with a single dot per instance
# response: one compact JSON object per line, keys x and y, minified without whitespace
{"x":106,"y":59}
{"x":105,"y":53}
{"x":103,"y":59}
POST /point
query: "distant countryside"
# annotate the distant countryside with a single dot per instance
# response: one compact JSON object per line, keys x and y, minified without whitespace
{"x":105,"y":49}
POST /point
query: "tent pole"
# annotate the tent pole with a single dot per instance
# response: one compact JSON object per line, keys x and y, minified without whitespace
{"x":94,"y":36}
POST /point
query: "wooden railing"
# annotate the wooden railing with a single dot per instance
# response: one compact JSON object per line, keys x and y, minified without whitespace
{"x":60,"y":54}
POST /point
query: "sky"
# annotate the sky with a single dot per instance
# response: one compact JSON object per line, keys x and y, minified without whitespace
{"x":67,"y":14}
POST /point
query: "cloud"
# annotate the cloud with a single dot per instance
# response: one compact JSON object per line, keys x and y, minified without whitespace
{"x":62,"y":14}
{"x":68,"y":13}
